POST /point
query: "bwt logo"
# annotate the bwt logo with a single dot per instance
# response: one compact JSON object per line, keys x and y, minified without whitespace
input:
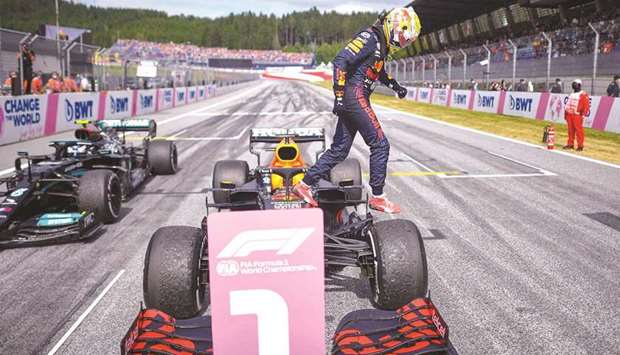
{"x":192,"y":94}
{"x":180,"y":95}
{"x":486,"y":101}
{"x":282,"y":241}
{"x":460,"y":99}
{"x":201,"y":92}
{"x":78,"y":110}
{"x":120,"y":104}
{"x":521,"y":104}
{"x":168,"y":96}
{"x":146,"y":101}
{"x":423,"y":95}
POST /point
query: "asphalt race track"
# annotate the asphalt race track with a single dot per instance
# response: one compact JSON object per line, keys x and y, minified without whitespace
{"x":523,"y":244}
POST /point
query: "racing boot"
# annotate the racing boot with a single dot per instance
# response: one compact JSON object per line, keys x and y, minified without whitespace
{"x":382,"y":204}
{"x":305,"y":192}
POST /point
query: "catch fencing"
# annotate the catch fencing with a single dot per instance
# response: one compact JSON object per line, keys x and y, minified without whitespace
{"x":604,"y":112}
{"x":591,"y":53}
{"x":32,"y":116}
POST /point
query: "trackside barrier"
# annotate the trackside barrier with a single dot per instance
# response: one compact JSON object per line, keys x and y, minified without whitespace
{"x":604,"y":112}
{"x":32,"y":116}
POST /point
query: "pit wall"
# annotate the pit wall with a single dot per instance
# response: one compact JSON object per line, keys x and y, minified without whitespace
{"x":604,"y":113}
{"x":32,"y":116}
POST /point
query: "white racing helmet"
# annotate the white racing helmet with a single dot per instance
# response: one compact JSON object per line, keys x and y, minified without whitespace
{"x":402,"y":27}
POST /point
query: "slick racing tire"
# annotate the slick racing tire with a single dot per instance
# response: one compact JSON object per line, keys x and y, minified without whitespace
{"x":171,"y":280}
{"x":400,"y":269}
{"x":100,"y":191}
{"x":348,"y":170}
{"x":162,"y":157}
{"x":229,"y":171}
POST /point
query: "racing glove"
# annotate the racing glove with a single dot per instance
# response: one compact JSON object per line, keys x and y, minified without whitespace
{"x":400,"y":91}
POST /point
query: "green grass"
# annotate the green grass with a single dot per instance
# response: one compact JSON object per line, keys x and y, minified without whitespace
{"x":599,"y":145}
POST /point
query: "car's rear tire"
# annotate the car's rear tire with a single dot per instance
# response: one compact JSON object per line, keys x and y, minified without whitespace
{"x":400,"y":272}
{"x":230,"y":171}
{"x":171,"y":280}
{"x":100,"y":191}
{"x":348,"y":170}
{"x":162,"y":157}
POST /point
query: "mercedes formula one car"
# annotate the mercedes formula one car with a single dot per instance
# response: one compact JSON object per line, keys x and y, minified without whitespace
{"x":70,"y":193}
{"x":389,"y":253}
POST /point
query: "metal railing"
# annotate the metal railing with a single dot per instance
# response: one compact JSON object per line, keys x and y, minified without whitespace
{"x":591,"y":53}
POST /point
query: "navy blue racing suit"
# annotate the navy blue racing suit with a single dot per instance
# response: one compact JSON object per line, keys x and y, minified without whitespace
{"x":356,"y":69}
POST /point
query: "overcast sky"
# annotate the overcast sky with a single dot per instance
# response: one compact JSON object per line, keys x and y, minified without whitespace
{"x":216,"y":8}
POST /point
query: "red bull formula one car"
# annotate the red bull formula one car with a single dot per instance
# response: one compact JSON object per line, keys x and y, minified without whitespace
{"x":389,"y":253}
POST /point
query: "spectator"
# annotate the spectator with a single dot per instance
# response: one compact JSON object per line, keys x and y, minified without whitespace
{"x":37,"y":84}
{"x":530,"y":86}
{"x":15,"y":87}
{"x":54,"y":85}
{"x":7,"y":87}
{"x":613,"y":89}
{"x":473,"y":84}
{"x":521,"y":86}
{"x":27,"y":59}
{"x":69,"y":84}
{"x":557,"y":87}
{"x":85,"y":84}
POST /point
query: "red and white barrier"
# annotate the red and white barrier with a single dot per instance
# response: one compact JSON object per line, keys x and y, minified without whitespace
{"x":27,"y":117}
{"x":604,"y":112}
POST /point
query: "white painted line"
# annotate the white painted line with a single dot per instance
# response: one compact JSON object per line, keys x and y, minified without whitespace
{"x":237,"y":97}
{"x":177,"y":134}
{"x":238,"y":136}
{"x":494,"y":176}
{"x":542,"y":171}
{"x":555,"y":151}
{"x":85,"y":314}
{"x":418,"y":163}
{"x":267,"y":113}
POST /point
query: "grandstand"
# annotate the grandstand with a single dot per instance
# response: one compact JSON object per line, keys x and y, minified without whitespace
{"x":124,"y":50}
{"x":500,"y":26}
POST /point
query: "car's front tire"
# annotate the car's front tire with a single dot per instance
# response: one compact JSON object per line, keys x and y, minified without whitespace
{"x":100,"y":191}
{"x":171,"y":280}
{"x":400,"y":271}
{"x":162,"y":157}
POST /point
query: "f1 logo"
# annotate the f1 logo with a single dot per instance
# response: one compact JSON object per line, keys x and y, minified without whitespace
{"x":283,"y":241}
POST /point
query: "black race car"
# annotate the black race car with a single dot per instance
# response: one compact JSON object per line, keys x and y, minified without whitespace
{"x":389,"y":253}
{"x":70,"y":193}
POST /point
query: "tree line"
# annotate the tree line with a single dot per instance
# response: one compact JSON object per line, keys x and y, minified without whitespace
{"x":311,"y":30}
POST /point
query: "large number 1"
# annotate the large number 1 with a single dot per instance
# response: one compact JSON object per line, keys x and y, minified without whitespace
{"x":272,"y":317}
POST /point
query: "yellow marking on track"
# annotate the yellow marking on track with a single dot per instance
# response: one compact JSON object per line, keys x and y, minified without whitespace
{"x":421,"y":173}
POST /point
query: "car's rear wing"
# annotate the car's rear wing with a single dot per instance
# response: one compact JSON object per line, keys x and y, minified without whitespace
{"x":275,"y":135}
{"x":145,"y":125}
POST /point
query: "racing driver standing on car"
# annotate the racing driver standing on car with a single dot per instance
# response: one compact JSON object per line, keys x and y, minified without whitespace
{"x":356,"y":69}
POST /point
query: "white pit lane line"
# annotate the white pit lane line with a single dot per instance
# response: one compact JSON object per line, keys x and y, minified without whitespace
{"x":418,"y":163}
{"x":541,"y":172}
{"x":85,"y":314}
{"x":233,"y":138}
